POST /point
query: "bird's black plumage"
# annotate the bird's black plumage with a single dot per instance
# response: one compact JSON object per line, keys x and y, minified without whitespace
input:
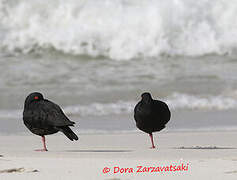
{"x":43,"y":117}
{"x":151,"y":115}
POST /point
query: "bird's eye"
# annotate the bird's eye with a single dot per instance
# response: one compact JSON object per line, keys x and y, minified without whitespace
{"x":36,"y":97}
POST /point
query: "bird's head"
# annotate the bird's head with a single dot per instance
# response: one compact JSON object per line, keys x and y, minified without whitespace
{"x":33,"y":97}
{"x":146,"y":97}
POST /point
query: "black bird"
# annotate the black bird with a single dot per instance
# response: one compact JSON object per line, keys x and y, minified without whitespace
{"x":151,"y":115}
{"x":43,"y":117}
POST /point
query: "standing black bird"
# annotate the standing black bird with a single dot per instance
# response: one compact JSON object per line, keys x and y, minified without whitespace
{"x":151,"y":115}
{"x":43,"y":117}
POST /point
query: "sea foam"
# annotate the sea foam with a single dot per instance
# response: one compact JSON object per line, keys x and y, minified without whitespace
{"x":119,"y":29}
{"x":176,"y":101}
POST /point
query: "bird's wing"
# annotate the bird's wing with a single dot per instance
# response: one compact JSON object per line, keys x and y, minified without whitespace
{"x":136,"y":110}
{"x":163,"y":110}
{"x":53,"y":114}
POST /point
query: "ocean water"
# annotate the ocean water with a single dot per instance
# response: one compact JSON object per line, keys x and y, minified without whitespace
{"x":95,"y":58}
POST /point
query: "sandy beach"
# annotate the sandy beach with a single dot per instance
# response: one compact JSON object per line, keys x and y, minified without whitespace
{"x":95,"y":59}
{"x":206,"y":155}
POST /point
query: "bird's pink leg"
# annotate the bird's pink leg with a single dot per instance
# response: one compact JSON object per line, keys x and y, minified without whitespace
{"x":44,"y":144}
{"x":152,"y":142}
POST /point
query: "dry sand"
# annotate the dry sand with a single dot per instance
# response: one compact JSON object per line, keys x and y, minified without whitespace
{"x":208,"y":155}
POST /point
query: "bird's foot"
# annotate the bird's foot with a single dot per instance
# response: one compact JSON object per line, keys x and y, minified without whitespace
{"x":153,"y":147}
{"x":41,"y":150}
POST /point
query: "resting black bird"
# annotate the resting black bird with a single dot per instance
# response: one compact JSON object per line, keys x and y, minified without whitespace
{"x":151,"y":115}
{"x":43,"y":117}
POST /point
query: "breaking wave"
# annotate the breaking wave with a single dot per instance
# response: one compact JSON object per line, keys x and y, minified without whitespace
{"x":175,"y":102}
{"x":119,"y":29}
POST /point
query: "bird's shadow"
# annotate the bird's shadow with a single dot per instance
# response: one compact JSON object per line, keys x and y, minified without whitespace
{"x":205,"y":147}
{"x":99,"y":151}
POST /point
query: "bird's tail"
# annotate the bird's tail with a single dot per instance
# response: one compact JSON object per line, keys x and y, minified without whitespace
{"x":69,"y":133}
